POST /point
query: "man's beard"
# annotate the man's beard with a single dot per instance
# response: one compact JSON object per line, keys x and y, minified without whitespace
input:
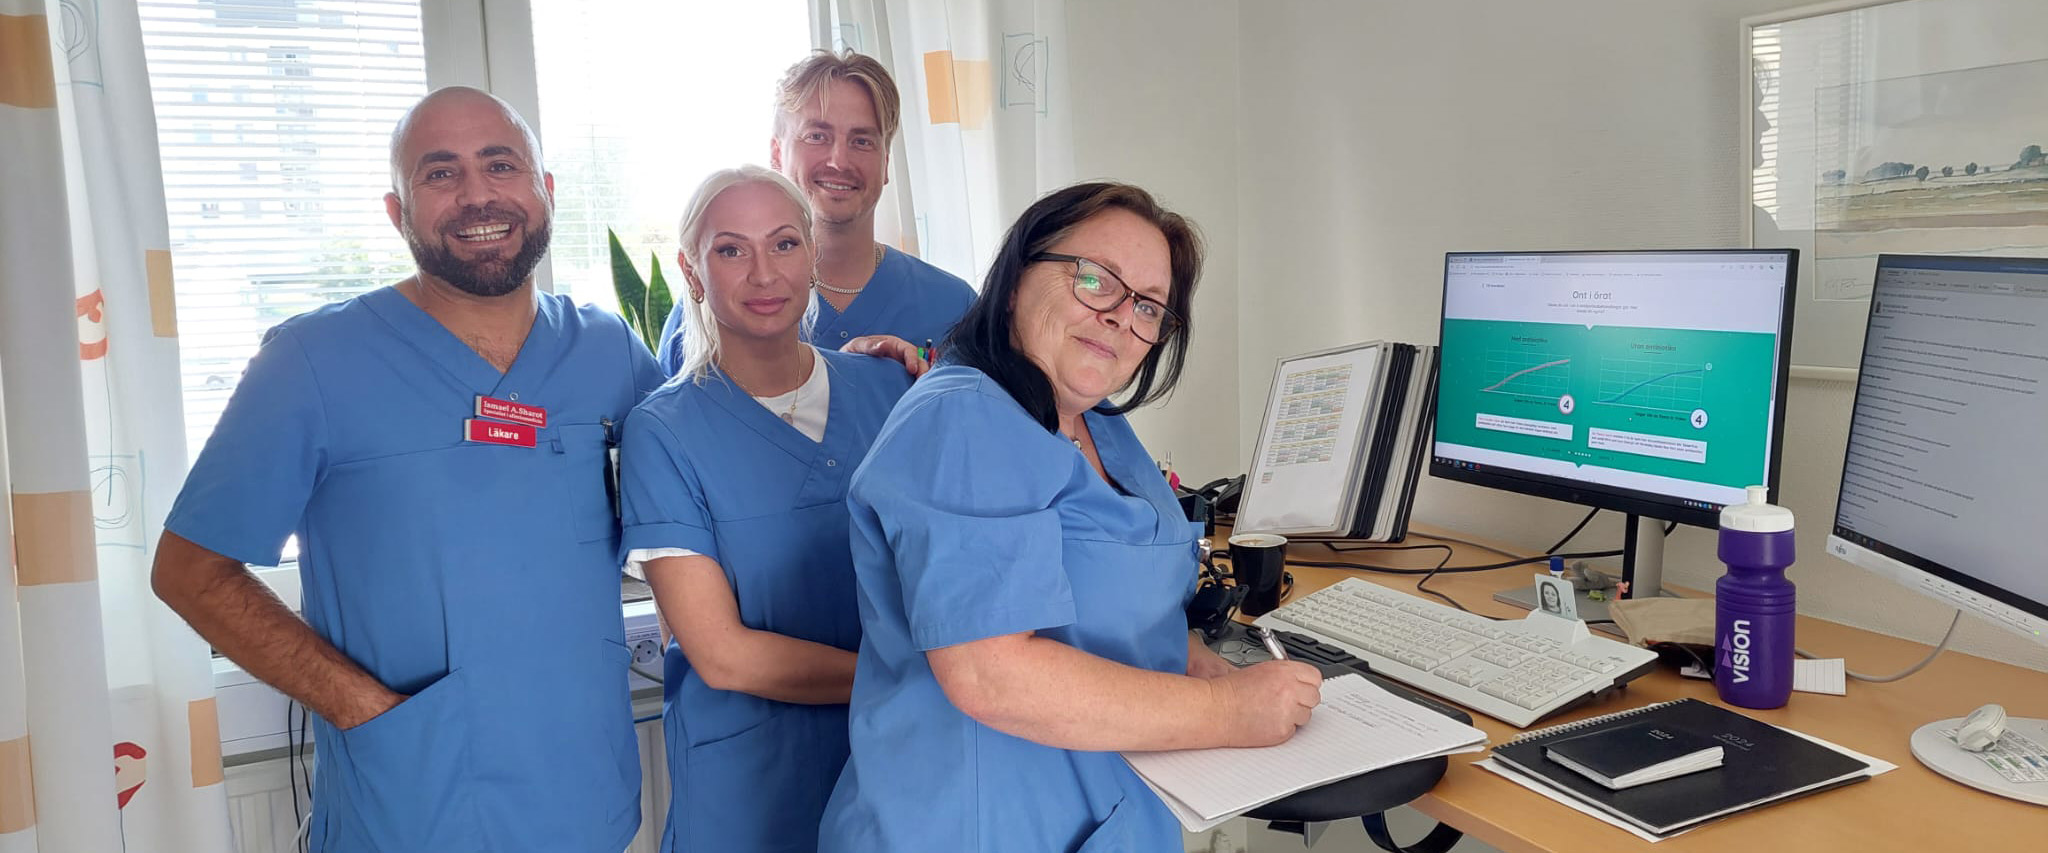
{"x":490,"y":274}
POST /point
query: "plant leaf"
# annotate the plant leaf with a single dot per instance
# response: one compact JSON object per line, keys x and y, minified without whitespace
{"x":627,"y":284}
{"x":659,"y":303}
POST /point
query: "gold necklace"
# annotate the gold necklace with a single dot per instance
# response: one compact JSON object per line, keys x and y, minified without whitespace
{"x":855,"y":291}
{"x":788,"y":413}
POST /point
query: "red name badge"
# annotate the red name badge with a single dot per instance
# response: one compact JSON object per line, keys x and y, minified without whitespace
{"x":506,"y":410}
{"x":492,"y":432}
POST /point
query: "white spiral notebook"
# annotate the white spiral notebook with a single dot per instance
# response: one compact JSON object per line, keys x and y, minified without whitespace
{"x":1358,"y":728}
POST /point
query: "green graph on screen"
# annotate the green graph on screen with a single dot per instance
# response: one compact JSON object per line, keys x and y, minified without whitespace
{"x":1682,"y":403}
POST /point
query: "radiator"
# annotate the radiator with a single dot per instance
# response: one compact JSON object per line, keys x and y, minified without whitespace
{"x":260,"y":802}
{"x":260,"y":798}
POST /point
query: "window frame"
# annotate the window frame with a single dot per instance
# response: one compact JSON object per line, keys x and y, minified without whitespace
{"x":488,"y":44}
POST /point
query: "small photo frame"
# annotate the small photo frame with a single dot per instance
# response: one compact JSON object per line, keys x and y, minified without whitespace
{"x":1556,"y":597}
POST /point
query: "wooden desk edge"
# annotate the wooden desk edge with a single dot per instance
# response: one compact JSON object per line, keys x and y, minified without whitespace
{"x":1875,"y":719}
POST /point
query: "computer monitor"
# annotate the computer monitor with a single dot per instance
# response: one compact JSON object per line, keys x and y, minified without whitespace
{"x":1647,"y":382}
{"x":1943,"y":477}
{"x":1942,"y":484}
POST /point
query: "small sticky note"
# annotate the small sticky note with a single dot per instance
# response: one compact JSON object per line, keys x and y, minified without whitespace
{"x":1828,"y":676}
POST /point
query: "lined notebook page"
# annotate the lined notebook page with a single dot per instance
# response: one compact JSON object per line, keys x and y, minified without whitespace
{"x":1359,"y":727}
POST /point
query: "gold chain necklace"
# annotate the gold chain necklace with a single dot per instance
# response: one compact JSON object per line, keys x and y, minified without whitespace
{"x":855,"y":291}
{"x":788,"y":413}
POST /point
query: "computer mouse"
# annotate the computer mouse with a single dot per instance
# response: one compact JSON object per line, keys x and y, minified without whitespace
{"x":1982,"y":728}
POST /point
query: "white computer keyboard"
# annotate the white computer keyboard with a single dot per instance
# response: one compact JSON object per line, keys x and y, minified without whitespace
{"x":1516,"y":671}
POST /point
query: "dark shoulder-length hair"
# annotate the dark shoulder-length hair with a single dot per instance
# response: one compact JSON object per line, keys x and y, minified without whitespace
{"x":983,"y":338}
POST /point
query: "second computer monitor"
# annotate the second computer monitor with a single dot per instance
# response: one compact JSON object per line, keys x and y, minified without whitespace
{"x":1942,"y":484}
{"x":1651,"y":383}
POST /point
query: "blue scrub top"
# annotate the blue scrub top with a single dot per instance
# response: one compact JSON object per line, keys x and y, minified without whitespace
{"x":479,"y":579}
{"x":971,"y":521}
{"x":906,"y":297}
{"x":706,"y":467}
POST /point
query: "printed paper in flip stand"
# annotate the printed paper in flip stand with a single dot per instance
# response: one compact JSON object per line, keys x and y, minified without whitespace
{"x":1358,"y":728}
{"x":1305,"y":468}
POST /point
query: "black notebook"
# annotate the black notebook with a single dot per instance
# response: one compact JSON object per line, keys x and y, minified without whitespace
{"x":1761,"y":764}
{"x":1636,"y":754}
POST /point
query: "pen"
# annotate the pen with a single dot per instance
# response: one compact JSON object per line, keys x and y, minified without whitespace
{"x":1272,"y":643}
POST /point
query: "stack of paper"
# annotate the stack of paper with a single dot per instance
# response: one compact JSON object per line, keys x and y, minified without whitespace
{"x":1358,"y":728}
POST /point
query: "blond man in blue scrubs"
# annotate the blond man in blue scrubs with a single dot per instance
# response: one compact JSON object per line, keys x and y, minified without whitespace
{"x":439,"y":449}
{"x":836,"y":115}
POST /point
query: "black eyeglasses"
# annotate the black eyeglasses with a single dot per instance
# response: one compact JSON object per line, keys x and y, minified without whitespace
{"x":1102,"y":291}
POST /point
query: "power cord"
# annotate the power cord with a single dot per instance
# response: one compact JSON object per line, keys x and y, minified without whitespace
{"x":1215,"y":602}
{"x":291,"y":745}
{"x":650,"y":677}
{"x":1452,"y":570}
{"x":1668,"y":527}
{"x":1575,"y":531}
{"x":1355,"y":548}
{"x":1524,"y":561}
{"x":1886,"y":679}
{"x":1420,"y":586}
{"x":1443,"y":566}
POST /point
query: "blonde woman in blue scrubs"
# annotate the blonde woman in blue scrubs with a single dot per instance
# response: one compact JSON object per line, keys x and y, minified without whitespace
{"x":1023,"y":568}
{"x":734,"y":485}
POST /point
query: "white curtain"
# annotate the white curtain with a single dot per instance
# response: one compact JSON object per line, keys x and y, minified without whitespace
{"x":986,"y":126}
{"x":108,"y":734}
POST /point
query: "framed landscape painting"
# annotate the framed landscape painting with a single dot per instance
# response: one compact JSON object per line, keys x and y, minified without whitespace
{"x":1906,"y":127}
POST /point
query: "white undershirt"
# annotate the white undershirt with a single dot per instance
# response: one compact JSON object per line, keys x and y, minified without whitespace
{"x":813,"y":401}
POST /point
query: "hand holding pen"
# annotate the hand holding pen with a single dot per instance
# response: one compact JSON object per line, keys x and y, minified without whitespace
{"x":1272,"y":642}
{"x":1264,"y":703}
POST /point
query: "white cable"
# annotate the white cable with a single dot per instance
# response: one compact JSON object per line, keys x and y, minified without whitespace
{"x":1885,"y":679}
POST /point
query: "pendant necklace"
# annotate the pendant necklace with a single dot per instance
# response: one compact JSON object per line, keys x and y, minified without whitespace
{"x":789,"y":414}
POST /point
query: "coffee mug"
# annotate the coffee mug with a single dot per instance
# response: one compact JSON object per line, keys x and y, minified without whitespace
{"x":1257,"y":563}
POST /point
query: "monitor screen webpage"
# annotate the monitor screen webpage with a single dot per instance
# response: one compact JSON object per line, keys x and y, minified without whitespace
{"x":1648,"y":382}
{"x":1945,"y":467}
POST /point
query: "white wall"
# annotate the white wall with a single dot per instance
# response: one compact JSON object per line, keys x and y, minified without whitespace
{"x":1367,"y":138}
{"x":1377,"y":135}
{"x":1155,"y":88}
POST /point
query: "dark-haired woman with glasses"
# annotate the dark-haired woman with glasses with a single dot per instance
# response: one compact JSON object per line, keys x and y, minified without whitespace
{"x":1023,"y":568}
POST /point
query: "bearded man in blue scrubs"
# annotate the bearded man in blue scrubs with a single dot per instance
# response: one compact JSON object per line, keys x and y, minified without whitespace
{"x":440,"y":448}
{"x":836,"y":115}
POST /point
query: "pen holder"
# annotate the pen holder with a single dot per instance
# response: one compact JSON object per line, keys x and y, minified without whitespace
{"x":1257,"y":562}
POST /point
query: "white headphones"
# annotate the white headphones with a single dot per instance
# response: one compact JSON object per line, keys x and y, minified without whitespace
{"x":1982,"y":728}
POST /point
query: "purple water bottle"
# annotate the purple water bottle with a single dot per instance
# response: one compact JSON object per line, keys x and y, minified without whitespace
{"x":1754,"y":607}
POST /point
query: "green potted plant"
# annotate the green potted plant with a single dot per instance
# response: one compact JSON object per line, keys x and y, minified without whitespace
{"x":645,"y":303}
